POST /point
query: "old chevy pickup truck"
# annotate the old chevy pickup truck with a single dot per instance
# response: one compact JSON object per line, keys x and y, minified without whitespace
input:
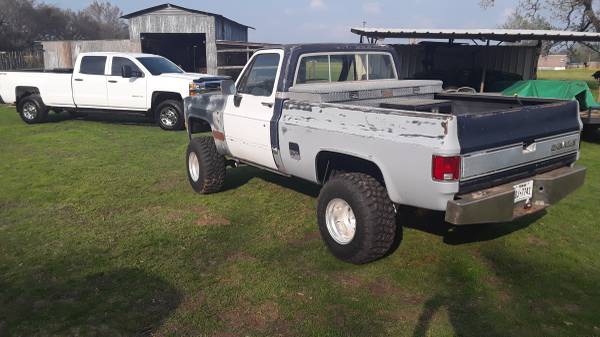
{"x":339,"y":116}
{"x":130,"y":83}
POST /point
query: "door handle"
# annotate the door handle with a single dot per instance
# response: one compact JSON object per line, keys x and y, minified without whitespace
{"x":267,"y":104}
{"x":112,"y":81}
{"x":79,"y":79}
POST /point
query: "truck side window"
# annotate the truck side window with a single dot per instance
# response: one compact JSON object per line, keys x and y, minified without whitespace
{"x":119,"y":62}
{"x":259,"y":79}
{"x":92,"y":65}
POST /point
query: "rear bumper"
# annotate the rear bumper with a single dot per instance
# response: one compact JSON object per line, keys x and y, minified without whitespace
{"x":497,"y":204}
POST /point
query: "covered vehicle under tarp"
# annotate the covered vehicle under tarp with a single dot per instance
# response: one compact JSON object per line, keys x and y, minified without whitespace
{"x":567,"y":90}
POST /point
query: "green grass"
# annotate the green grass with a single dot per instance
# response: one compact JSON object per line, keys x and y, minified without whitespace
{"x":572,"y":74}
{"x":100,"y":235}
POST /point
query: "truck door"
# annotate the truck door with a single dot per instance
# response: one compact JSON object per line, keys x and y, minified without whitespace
{"x":126,"y":93}
{"x":89,"y":83}
{"x":247,"y":116}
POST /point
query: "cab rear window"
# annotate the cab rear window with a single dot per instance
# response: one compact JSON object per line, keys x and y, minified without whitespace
{"x":327,"y":68}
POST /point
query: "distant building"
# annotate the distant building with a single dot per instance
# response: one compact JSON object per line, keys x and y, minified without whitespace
{"x":197,"y":41}
{"x":553,"y":62}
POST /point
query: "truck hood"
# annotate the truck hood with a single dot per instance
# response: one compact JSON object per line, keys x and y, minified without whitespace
{"x":184,"y":76}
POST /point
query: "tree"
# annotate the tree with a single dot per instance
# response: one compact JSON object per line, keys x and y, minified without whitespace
{"x":22,"y":22}
{"x":574,"y":15}
{"x":108,"y":17}
{"x":569,"y":15}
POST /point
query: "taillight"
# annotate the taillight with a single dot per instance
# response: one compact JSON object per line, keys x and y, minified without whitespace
{"x":445,"y":168}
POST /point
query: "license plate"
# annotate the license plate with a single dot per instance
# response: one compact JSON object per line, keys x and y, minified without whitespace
{"x":523,"y":191}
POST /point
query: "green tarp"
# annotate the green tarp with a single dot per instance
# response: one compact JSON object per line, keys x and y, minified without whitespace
{"x":578,"y":90}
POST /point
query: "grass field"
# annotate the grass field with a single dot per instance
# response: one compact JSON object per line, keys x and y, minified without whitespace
{"x":572,"y":74}
{"x":100,"y":235}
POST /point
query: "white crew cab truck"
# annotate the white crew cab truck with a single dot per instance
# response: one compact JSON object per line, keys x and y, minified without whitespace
{"x":339,"y":116}
{"x":126,"y":82}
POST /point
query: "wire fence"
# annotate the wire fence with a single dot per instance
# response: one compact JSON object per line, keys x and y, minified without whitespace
{"x":19,"y":60}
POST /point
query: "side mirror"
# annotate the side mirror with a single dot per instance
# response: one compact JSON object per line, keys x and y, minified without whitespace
{"x":237,"y":100}
{"x":126,"y":72}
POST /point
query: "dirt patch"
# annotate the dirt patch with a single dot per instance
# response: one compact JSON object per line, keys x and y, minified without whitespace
{"x":264,"y":318}
{"x":307,"y":237}
{"x":571,"y":308}
{"x":349,"y":281}
{"x":240,"y":256}
{"x":382,"y":287}
{"x":193,"y":302}
{"x":167,"y":184}
{"x":535,"y":241}
{"x":207,"y":219}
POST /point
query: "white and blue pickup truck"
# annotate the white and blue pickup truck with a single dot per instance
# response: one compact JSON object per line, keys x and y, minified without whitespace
{"x":130,"y":83}
{"x":339,"y":116}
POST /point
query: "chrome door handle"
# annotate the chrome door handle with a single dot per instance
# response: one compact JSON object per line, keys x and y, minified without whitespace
{"x":269,"y":105}
{"x":79,"y":79}
{"x":112,"y":81}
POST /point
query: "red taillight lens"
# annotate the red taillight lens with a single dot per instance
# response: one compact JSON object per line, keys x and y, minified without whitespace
{"x":445,"y":168}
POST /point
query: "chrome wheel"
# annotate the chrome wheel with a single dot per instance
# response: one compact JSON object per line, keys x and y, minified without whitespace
{"x":168,"y":117}
{"x":340,"y":220}
{"x":30,"y":111}
{"x":194,"y":166}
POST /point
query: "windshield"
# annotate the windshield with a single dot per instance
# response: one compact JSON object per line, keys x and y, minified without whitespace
{"x":159,"y":65}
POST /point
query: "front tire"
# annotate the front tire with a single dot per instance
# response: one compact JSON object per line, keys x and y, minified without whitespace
{"x":32,"y":109}
{"x":205,"y":166}
{"x":169,"y":115}
{"x":356,"y":218}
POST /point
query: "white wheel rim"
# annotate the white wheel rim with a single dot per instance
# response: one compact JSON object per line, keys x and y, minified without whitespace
{"x":340,"y":220}
{"x":194,"y":166}
{"x":29,"y":110}
{"x":168,"y":117}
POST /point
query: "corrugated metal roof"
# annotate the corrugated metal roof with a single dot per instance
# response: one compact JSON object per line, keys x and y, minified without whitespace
{"x":168,"y":5}
{"x":508,"y":35}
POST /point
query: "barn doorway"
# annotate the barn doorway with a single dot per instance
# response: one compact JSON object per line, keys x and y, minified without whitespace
{"x":186,"y":50}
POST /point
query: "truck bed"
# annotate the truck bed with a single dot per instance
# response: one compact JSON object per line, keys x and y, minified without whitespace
{"x":54,"y":85}
{"x":490,"y":128}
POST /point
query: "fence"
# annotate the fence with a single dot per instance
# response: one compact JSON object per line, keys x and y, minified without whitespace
{"x":28,"y":59}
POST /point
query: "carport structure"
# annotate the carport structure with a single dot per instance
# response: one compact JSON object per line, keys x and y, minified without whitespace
{"x":484,"y":59}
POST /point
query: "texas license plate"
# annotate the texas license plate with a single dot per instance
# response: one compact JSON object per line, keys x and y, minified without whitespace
{"x":523,"y":191}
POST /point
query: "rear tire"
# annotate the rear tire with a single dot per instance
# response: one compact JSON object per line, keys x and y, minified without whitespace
{"x":32,"y":109}
{"x":205,"y":166}
{"x":356,"y":200}
{"x":169,"y":115}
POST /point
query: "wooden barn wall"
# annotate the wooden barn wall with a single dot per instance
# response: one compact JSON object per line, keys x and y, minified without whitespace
{"x":62,"y":54}
{"x":231,"y":31}
{"x":521,"y":60}
{"x":173,"y":20}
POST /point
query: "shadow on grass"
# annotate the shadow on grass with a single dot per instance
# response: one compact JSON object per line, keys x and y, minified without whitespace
{"x":239,"y":176}
{"x":433,"y":222}
{"x":123,"y":302}
{"x":591,"y":134}
{"x":556,"y":297}
{"x":103,"y":117}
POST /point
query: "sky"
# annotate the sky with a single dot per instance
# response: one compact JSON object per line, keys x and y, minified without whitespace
{"x":287,"y":21}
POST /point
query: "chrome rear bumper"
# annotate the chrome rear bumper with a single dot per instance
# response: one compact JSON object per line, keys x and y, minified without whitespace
{"x":497,"y":204}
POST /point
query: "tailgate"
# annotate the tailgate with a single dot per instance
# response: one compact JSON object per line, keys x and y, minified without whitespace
{"x":508,"y":145}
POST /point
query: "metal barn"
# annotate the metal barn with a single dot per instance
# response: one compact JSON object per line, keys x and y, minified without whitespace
{"x":186,"y":36}
{"x":197,"y":41}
